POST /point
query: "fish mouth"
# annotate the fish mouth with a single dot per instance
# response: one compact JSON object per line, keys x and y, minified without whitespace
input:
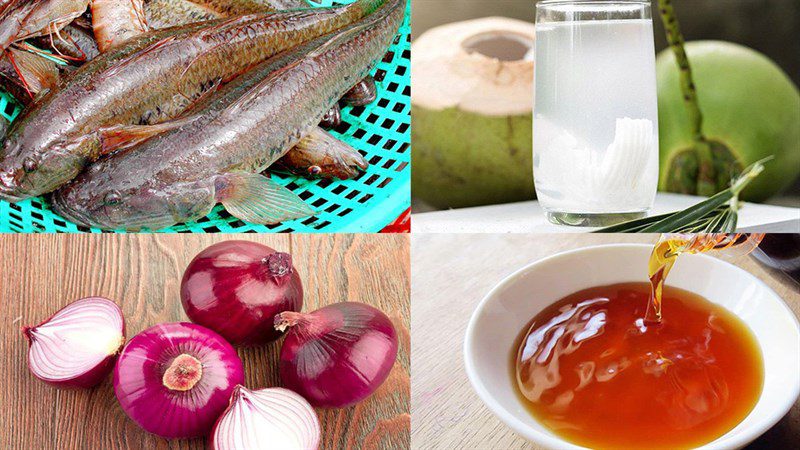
{"x":62,"y":208}
{"x":15,"y":187}
{"x":8,"y":191}
{"x":6,"y":195}
{"x":101,"y":218}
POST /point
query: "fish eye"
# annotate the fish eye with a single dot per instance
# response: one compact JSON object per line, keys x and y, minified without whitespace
{"x":30,"y":165}
{"x":112,"y":198}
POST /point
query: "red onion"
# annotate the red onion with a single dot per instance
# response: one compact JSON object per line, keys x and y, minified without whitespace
{"x":338,"y":355}
{"x":269,"y":418}
{"x":77,"y":346}
{"x":237,"y":287}
{"x":175,"y":379}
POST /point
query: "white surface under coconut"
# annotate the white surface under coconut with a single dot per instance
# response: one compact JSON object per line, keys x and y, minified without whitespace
{"x":527,"y":217}
{"x":477,"y":66}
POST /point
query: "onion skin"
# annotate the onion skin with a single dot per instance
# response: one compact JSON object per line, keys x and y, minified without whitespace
{"x":91,"y":376}
{"x":139,"y":378}
{"x":264,"y":419}
{"x":338,"y":355}
{"x":236,"y":288}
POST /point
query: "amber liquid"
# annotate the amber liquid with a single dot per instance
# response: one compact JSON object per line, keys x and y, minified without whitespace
{"x":593,"y":371}
{"x":669,"y":247}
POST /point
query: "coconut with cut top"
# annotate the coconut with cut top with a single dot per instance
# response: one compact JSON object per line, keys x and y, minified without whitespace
{"x":472,"y":97}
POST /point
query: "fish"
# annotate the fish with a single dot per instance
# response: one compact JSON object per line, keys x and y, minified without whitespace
{"x":318,"y":155}
{"x":73,"y":42}
{"x":148,"y":79}
{"x":170,"y":13}
{"x":3,"y":127}
{"x":12,"y":84}
{"x":236,"y":7}
{"x":38,"y":72}
{"x":215,"y":153}
{"x":23,"y":19}
{"x":321,"y":155}
{"x":116,"y":21}
{"x":362,"y":94}
{"x":182,"y":12}
{"x":332,"y":118}
{"x":24,"y":74}
{"x":4,"y":4}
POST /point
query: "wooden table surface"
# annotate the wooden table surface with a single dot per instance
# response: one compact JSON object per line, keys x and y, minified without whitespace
{"x":451,"y":274}
{"x":142,"y":273}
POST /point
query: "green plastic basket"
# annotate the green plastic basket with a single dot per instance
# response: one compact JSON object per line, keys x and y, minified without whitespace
{"x":367,"y":203}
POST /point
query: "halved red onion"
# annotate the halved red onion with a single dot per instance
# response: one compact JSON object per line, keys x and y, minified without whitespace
{"x":175,"y":379}
{"x":264,"y":419}
{"x":338,"y":355}
{"x":76,"y":347}
{"x":237,"y":287}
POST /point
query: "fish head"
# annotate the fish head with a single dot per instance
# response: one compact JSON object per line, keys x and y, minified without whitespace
{"x":113,"y":206}
{"x":26,"y":172}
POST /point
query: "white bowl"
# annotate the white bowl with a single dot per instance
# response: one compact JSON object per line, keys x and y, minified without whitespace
{"x":508,"y":308}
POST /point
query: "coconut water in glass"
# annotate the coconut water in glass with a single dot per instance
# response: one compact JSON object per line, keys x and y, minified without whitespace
{"x":595,"y":127}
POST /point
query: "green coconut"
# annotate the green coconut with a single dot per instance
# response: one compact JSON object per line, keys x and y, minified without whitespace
{"x":471,"y":121}
{"x":750,"y":110}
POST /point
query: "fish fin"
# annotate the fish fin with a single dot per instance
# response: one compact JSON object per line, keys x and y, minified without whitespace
{"x":36,"y":73}
{"x":121,"y":137}
{"x":55,"y":19}
{"x":257,"y":199}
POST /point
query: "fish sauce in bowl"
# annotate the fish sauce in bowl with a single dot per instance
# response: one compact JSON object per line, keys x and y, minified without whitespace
{"x":600,"y":370}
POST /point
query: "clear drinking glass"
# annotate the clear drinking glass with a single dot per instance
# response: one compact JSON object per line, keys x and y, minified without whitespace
{"x":595,"y":127}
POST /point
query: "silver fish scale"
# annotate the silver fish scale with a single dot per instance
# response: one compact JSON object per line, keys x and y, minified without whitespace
{"x":118,"y":88}
{"x":249,"y":134}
